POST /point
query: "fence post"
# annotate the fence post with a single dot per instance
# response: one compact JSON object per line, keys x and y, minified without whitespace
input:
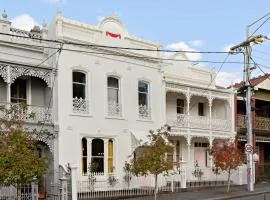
{"x":172,"y":186}
{"x":183,"y":171}
{"x":240,"y":175}
{"x":34,"y":189}
{"x":74,"y":182}
{"x":64,"y":187}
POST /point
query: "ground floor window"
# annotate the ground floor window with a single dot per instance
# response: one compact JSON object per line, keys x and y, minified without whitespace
{"x":93,"y":156}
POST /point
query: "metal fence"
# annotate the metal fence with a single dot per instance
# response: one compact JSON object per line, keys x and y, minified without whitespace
{"x":24,"y":192}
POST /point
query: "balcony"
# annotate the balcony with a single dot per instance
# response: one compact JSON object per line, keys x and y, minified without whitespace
{"x":199,"y":122}
{"x":261,"y":123}
{"x":29,"y":113}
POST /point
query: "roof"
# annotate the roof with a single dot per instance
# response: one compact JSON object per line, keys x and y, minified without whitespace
{"x":254,"y":81}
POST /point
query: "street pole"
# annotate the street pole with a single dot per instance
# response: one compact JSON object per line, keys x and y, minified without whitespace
{"x":249,"y":154}
{"x":247,"y":57}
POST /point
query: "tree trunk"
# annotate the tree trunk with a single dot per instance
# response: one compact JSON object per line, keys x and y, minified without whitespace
{"x":229,"y":181}
{"x":156,"y":187}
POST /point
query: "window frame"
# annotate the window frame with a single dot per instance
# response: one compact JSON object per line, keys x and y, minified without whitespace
{"x":201,"y":111}
{"x":118,"y":114}
{"x":148,"y":96}
{"x":179,"y":106}
{"x":78,"y":83}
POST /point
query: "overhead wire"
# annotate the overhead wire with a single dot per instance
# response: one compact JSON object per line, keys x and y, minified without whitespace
{"x":52,"y":88}
{"x":114,"y":47}
{"x":212,"y":79}
{"x":131,"y":56}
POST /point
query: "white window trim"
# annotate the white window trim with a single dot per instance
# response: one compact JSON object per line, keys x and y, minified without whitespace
{"x":120,"y":95}
{"x":88,"y":90}
{"x":149,"y":82}
{"x":105,"y":157}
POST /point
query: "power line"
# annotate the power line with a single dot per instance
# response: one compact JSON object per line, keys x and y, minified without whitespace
{"x":206,"y":89}
{"x":130,"y":56}
{"x":261,"y":24}
{"x":53,"y":83}
{"x":116,"y":47}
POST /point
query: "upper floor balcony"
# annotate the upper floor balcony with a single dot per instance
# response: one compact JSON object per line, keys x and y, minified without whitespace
{"x":194,"y":108}
{"x":22,"y":85}
{"x":261,"y":123}
{"x":260,"y":116}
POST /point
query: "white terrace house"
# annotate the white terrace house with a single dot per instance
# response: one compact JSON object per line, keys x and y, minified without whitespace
{"x":26,"y":79}
{"x":109,"y":98}
{"x":105,"y":100}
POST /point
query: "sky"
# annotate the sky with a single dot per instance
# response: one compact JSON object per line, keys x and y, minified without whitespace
{"x":200,"y":25}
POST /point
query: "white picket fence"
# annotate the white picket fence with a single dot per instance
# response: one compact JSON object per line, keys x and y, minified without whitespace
{"x":144,"y":185}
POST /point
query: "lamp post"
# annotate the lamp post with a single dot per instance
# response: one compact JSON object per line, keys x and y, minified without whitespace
{"x":247,"y":56}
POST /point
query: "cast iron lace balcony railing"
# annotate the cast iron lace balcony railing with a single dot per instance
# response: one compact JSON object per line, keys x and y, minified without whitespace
{"x":114,"y":109}
{"x":199,"y":122}
{"x":144,"y":112}
{"x":261,"y":123}
{"x":80,"y":105}
{"x":28,"y":113}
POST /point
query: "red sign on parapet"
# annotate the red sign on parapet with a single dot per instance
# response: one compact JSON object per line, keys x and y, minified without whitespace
{"x":113,"y":35}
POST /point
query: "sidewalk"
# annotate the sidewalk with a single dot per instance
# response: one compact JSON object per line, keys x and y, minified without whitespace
{"x":212,"y":193}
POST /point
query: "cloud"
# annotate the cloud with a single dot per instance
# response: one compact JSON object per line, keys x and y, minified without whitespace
{"x":227,"y":48}
{"x":100,"y":18}
{"x":196,"y":43}
{"x":52,"y":1}
{"x":226,"y":79}
{"x":183,"y":46}
{"x":24,"y":21}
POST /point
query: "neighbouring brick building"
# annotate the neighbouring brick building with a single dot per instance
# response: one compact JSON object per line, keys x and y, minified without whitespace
{"x":260,"y":121}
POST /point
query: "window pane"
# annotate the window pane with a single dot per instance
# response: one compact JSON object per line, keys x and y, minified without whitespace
{"x":180,"y":110}
{"x":180,"y":102}
{"x":113,"y":94}
{"x":143,"y":87}
{"x":84,"y":147}
{"x":79,"y":77}
{"x":201,"y":109}
{"x":113,"y":82}
{"x":97,"y":147}
{"x":78,"y":91}
{"x":98,"y":163}
{"x":143,"y":99}
{"x":84,"y":165}
{"x":18,"y":91}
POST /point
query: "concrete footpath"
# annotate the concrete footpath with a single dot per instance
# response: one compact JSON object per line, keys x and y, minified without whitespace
{"x":261,"y":192}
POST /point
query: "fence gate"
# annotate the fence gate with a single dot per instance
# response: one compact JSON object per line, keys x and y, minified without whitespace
{"x":24,"y":192}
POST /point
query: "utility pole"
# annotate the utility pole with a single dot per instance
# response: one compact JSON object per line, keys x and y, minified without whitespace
{"x":249,"y":145}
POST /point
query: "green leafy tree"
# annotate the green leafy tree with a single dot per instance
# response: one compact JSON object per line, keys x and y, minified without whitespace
{"x":153,"y":157}
{"x":19,"y":159}
{"x":226,"y":157}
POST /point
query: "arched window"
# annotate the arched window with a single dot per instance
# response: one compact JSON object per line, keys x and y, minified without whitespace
{"x":97,"y":160}
{"x":84,"y":156}
{"x":114,"y":108}
{"x":110,"y":156}
{"x":143,"y":99}
{"x":79,"y":92}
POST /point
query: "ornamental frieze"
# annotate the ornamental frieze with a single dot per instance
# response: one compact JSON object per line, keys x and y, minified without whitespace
{"x":3,"y":72}
{"x":16,"y":72}
{"x":10,"y":73}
